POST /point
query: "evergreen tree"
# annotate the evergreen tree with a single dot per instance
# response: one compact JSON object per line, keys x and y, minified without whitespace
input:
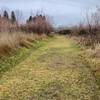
{"x":30,"y":18}
{"x":5,"y":15}
{"x":13,"y":17}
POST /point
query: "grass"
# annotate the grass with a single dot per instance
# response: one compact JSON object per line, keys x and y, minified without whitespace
{"x":11,"y":42}
{"x":52,"y":72}
{"x":9,"y":61}
{"x":91,"y":56}
{"x":92,"y":59}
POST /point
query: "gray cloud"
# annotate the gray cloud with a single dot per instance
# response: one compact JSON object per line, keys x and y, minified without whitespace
{"x":63,"y":11}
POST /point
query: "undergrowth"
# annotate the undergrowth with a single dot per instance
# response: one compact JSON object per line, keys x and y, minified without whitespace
{"x":8,"y":62}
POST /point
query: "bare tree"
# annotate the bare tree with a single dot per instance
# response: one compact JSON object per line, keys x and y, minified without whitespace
{"x":93,"y":22}
{"x":96,"y":18}
{"x":19,"y":16}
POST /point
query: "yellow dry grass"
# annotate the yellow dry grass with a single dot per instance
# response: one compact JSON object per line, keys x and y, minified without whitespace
{"x":10,"y":42}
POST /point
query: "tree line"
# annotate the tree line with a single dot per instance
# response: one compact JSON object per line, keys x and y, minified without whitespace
{"x":11,"y":18}
{"x":39,"y":23}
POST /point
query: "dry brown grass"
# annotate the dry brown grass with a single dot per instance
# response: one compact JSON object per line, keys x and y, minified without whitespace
{"x":39,"y":24}
{"x":10,"y":42}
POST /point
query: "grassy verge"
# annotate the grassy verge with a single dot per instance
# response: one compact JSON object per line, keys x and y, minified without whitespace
{"x":93,"y":63}
{"x":91,"y":58}
{"x":8,"y":62}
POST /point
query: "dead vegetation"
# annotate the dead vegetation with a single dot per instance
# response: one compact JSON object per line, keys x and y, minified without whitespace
{"x":10,"y":42}
{"x":89,"y":34}
{"x":39,"y":24}
{"x":14,"y":35}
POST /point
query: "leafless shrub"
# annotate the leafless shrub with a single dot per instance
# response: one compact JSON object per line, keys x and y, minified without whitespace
{"x":88,"y":34}
{"x":39,"y":24}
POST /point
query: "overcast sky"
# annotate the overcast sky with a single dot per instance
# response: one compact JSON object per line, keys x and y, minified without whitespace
{"x":63,"y":12}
